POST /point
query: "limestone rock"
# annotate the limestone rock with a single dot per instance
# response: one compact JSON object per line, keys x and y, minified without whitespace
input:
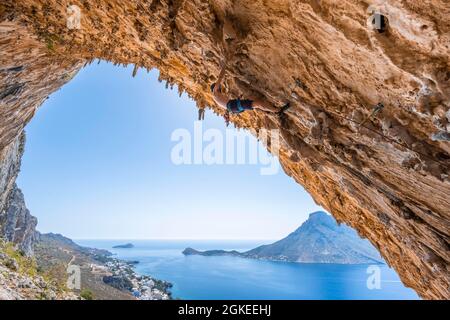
{"x":10,"y":160}
{"x":19,"y":279}
{"x":17,"y":224}
{"x":329,"y":59}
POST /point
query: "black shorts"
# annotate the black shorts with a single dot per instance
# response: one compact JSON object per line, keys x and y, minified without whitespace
{"x":238,"y":106}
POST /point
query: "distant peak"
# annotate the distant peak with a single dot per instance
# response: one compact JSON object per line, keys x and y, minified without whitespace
{"x":318,"y":214}
{"x":318,"y":218}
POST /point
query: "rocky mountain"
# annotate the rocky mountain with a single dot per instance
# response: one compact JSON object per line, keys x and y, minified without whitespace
{"x":318,"y":240}
{"x":56,"y":240}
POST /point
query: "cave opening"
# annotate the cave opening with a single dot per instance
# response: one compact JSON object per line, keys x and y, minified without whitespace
{"x":97,"y":165}
{"x":103,"y":149}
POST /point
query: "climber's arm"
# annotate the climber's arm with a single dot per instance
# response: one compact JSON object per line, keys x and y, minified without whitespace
{"x":220,"y":98}
{"x":221,"y":77}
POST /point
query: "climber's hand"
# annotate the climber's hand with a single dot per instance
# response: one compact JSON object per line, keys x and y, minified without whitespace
{"x":221,"y":76}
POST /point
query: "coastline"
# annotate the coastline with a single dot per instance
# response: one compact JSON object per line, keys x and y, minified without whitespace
{"x":102,"y":276}
{"x":224,"y":277}
{"x":121,"y":274}
{"x":285,"y":259}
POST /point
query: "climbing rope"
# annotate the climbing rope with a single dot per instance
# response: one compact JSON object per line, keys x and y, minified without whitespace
{"x":378,"y":108}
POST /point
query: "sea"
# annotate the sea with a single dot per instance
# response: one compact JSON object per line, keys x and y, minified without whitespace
{"x":216,"y":278}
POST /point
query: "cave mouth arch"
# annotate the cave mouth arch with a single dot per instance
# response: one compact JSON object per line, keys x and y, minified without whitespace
{"x":113,"y":142}
{"x":77,"y":129}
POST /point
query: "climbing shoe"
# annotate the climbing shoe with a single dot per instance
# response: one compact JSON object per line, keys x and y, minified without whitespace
{"x":284,"y":108}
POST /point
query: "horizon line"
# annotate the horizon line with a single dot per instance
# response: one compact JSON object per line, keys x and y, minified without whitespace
{"x":216,"y":239}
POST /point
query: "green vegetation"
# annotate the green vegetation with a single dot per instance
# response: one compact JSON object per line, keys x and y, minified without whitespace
{"x":26,"y":266}
{"x":50,"y":40}
{"x":162,"y":285}
{"x":17,"y":261}
{"x":52,"y":263}
{"x":87,"y":294}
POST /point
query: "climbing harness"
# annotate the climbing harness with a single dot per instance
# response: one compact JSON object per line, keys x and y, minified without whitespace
{"x":238,"y":104}
{"x":284,"y":108}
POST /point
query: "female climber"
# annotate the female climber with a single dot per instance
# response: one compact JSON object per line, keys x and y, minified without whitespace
{"x":237,"y":105}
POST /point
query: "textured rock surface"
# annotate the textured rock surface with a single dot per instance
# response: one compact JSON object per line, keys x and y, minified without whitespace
{"x":20,"y":279}
{"x":17,"y":286}
{"x":10,"y":160}
{"x":389,"y":178}
{"x":17,"y":224}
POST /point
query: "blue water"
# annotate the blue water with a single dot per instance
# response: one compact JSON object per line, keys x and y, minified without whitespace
{"x":197,"y":277}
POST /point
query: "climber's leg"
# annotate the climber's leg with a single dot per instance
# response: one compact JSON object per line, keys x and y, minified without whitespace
{"x":264,"y":106}
{"x":268,"y":107}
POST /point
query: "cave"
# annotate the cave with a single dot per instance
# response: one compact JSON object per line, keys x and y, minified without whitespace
{"x":383,"y":171}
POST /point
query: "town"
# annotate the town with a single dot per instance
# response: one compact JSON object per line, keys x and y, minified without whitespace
{"x":121,"y":275}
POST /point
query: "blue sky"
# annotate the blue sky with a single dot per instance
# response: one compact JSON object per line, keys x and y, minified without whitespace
{"x":98,"y":165}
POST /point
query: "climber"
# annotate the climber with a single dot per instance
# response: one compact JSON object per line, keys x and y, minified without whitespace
{"x":237,"y":106}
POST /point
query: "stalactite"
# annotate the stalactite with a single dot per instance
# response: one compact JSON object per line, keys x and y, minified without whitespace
{"x":135,"y":70}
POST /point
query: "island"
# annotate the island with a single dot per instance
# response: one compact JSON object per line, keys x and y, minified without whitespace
{"x":320,"y":239}
{"x":124,"y":246}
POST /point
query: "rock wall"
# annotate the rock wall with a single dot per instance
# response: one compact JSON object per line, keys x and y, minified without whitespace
{"x":10,"y":160}
{"x":17,"y":224}
{"x":384,"y":172}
